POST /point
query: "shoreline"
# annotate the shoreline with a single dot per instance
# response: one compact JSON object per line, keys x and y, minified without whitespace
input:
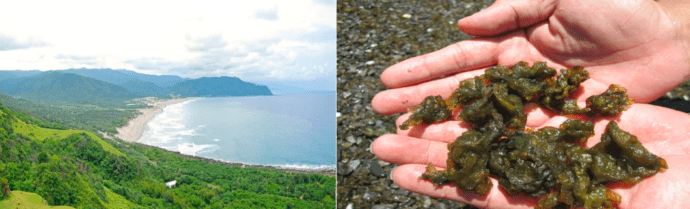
{"x":323,"y":171}
{"x":135,"y":127}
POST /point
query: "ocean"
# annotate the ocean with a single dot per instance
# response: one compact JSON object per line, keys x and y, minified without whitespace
{"x":295,"y":131}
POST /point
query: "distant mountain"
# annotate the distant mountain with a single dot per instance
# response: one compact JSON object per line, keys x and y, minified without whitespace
{"x":68,"y":87}
{"x":10,"y":74}
{"x":160,"y":80}
{"x":119,"y":77}
{"x":8,"y":78}
{"x":8,"y":84}
{"x":107,"y":86}
{"x":116,"y":77}
{"x":111,"y":76}
{"x":218,"y":86}
{"x":144,"y":88}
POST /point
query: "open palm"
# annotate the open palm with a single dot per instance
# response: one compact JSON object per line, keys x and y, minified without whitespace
{"x":634,"y":44}
{"x":662,"y":131}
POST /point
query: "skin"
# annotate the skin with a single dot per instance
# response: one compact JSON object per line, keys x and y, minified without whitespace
{"x":645,"y":41}
{"x":638,"y":39}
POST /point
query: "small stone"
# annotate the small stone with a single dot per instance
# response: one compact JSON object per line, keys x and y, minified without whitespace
{"x":399,"y":198}
{"x":370,"y":196}
{"x":402,"y":192}
{"x":376,"y":169}
{"x":370,"y":122}
{"x":350,"y":139}
{"x":346,"y":94}
{"x":349,"y":206}
{"x":427,"y":202}
{"x":384,"y":163}
{"x":407,"y":203}
{"x":353,"y":164}
{"x":383,"y":206}
{"x":344,"y":169}
{"x":440,"y":205}
{"x":371,"y":62}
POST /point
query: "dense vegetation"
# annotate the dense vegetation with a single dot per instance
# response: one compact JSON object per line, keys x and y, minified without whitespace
{"x":63,"y":116}
{"x":71,"y":88}
{"x":76,"y":168}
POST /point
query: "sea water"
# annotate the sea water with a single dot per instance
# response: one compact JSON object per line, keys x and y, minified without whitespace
{"x":289,"y":130}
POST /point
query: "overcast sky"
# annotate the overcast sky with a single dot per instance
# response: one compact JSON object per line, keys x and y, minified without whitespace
{"x":286,"y":42}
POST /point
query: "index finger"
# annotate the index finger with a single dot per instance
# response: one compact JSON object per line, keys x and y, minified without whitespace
{"x":459,"y":57}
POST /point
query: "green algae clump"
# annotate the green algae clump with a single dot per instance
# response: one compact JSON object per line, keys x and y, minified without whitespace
{"x":550,"y":162}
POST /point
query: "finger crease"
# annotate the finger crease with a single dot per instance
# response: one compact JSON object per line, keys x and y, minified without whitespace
{"x":428,"y":152}
{"x":517,"y":16}
{"x":425,"y":67}
{"x":459,"y":58}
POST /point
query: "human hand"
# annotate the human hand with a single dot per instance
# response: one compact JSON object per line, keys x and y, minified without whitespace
{"x":662,"y":131}
{"x":640,"y":45}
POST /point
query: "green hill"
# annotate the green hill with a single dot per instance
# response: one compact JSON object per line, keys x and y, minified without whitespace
{"x":71,"y":88}
{"x":61,"y":116}
{"x":19,"y":199}
{"x":79,"y":169}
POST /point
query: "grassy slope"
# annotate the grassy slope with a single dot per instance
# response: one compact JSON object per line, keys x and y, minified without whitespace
{"x":32,"y":200}
{"x":44,"y":133}
{"x":19,"y":199}
{"x":117,"y":201}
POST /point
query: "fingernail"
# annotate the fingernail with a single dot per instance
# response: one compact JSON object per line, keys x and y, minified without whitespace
{"x":390,"y":175}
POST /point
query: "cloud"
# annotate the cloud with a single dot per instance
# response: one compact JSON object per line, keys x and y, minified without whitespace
{"x":267,"y":41}
{"x":10,"y":43}
{"x":207,"y":44}
{"x":267,"y":14}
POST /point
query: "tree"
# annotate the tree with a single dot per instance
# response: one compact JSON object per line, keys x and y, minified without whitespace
{"x":43,"y":157}
{"x":5,"y":188}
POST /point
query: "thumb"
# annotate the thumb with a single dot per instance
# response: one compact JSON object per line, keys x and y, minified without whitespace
{"x":507,"y":15}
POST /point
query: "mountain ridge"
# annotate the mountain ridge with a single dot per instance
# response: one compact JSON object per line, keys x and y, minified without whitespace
{"x":107,"y":86}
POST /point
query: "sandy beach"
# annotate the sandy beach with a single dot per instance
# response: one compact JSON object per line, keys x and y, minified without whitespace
{"x":134,"y":129}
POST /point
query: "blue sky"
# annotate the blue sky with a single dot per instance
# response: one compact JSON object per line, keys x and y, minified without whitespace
{"x":290,"y":43}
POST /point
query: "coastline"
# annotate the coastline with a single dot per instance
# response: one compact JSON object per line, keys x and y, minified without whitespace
{"x":135,"y":127}
{"x":323,"y":171}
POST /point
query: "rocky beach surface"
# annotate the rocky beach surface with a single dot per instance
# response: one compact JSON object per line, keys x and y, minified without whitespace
{"x":373,"y":35}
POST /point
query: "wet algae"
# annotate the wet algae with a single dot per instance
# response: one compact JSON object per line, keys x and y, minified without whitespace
{"x":550,"y":162}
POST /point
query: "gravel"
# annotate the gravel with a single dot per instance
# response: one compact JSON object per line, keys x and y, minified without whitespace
{"x":373,"y":35}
